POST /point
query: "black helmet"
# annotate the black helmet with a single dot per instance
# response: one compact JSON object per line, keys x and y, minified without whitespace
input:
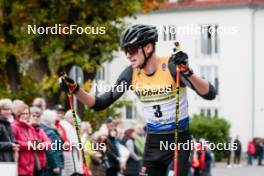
{"x":138,"y":35}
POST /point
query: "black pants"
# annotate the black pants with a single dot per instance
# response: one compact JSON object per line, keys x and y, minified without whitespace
{"x":39,"y":173}
{"x":228,"y":158}
{"x":237,"y":158}
{"x":158,"y":158}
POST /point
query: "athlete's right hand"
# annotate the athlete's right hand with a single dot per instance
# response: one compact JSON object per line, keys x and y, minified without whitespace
{"x":68,"y":85}
{"x":180,"y":58}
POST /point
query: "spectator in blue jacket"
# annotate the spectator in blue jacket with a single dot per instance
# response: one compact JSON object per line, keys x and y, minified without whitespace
{"x":55,"y":161}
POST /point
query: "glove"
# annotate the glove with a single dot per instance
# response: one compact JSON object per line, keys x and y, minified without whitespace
{"x":68,"y":85}
{"x":181,"y":59}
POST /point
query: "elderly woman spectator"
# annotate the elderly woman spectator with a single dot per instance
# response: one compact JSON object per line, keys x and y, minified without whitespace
{"x":43,"y":142}
{"x":25,"y":136}
{"x":8,"y":146}
{"x":40,"y":103}
{"x":55,"y":161}
{"x":73,"y":157}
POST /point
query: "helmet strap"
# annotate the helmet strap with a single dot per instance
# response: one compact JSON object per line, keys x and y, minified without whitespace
{"x":146,"y":58}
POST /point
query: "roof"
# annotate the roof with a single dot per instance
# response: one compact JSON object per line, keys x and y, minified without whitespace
{"x":190,"y":4}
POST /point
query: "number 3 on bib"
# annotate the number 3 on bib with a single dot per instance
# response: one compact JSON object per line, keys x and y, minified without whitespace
{"x":158,"y":112}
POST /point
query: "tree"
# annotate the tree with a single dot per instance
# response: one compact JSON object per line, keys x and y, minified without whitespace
{"x":31,"y":63}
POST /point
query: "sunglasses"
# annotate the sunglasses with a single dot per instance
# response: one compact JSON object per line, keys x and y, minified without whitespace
{"x":131,"y":50}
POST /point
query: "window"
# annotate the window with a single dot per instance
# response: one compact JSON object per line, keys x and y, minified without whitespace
{"x":210,"y":112}
{"x":169,"y":33}
{"x":209,"y":39}
{"x":100,"y":74}
{"x":128,"y":112}
{"x":202,"y":112}
{"x":216,"y":112}
{"x":210,"y":73}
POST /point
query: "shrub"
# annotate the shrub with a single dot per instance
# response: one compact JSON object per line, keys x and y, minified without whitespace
{"x":212,"y":129}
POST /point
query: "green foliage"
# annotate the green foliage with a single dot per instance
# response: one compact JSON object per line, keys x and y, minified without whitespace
{"x":50,"y":54}
{"x":29,"y":90}
{"x":212,"y":129}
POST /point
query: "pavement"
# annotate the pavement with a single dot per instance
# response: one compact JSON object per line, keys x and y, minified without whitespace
{"x":221,"y":170}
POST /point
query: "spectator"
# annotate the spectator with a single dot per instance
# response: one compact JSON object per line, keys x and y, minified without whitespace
{"x":97,"y":165}
{"x":140,"y":139}
{"x":119,"y":126}
{"x":133,"y":163}
{"x":109,"y":123}
{"x":111,"y":159}
{"x":260,"y":151}
{"x":17,"y":102}
{"x":55,"y":161}
{"x":73,"y":157}
{"x":60,"y":111}
{"x":43,"y":142}
{"x":251,"y":150}
{"x":198,"y":162}
{"x":228,"y":153}
{"x":237,"y":152}
{"x":25,"y":136}
{"x":8,"y":146}
{"x":40,"y":103}
{"x":208,"y":161}
{"x":86,"y":131}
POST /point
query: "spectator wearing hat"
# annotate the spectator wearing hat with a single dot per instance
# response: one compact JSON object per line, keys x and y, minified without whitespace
{"x":8,"y":146}
{"x":60,"y":112}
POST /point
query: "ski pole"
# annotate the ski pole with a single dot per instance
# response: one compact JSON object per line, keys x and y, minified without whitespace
{"x":70,"y":96}
{"x":177,"y":96}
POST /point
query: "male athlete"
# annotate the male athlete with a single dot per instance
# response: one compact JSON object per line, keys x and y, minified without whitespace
{"x":152,"y":78}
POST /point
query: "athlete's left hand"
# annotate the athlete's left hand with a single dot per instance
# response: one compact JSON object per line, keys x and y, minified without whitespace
{"x":180,"y":59}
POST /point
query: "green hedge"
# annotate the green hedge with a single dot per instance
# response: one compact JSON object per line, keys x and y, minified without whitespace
{"x":212,"y":129}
